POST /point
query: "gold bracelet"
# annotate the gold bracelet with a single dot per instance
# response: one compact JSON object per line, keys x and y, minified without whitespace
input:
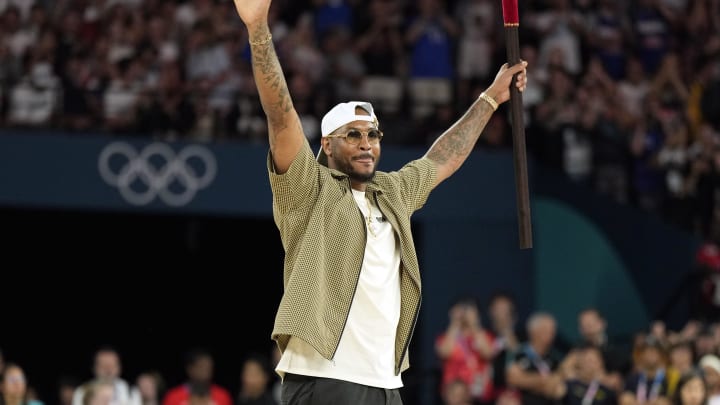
{"x":489,"y":100}
{"x":262,"y":41}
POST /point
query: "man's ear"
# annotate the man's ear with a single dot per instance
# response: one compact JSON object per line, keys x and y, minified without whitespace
{"x":325,"y":142}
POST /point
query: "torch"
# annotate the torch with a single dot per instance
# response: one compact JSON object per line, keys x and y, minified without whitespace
{"x":511,"y":19}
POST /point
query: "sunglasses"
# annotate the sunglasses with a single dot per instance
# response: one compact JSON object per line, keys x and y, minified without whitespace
{"x":355,"y":136}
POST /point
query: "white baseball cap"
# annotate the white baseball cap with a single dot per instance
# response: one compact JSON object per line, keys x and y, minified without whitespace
{"x":342,"y":114}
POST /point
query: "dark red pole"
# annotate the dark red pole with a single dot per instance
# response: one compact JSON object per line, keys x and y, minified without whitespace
{"x":511,"y":19}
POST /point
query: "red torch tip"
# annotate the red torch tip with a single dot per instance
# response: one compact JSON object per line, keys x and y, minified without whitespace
{"x":510,"y":12}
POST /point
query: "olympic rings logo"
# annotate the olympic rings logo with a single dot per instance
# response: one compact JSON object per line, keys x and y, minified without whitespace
{"x":157,"y":171}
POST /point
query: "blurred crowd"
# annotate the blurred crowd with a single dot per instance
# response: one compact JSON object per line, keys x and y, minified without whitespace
{"x":485,"y":355}
{"x":503,"y":362}
{"x":110,"y":386}
{"x":623,"y":95}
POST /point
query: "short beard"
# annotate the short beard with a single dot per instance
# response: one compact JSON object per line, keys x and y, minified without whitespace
{"x":362,"y":178}
{"x":347,"y":168}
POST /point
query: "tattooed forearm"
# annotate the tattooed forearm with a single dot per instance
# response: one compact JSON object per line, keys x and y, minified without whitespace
{"x":455,"y":144}
{"x":272,"y":87}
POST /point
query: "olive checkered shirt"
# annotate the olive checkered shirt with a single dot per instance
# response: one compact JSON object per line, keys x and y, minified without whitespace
{"x":323,"y":234}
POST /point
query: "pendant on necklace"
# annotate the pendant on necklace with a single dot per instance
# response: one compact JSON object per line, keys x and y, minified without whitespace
{"x":368,"y":219}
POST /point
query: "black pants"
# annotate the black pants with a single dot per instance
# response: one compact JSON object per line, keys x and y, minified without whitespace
{"x":302,"y":390}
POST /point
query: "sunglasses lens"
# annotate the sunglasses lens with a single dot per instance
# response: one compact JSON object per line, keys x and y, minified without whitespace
{"x":354,"y":136}
{"x":374,"y":136}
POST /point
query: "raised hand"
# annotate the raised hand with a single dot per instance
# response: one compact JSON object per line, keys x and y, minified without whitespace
{"x":252,"y":11}
{"x":499,"y":90}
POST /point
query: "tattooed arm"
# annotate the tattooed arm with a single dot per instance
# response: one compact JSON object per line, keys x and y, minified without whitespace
{"x":451,"y":149}
{"x":285,"y":131}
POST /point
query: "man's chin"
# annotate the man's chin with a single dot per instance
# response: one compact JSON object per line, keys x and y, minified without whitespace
{"x":363,"y":176}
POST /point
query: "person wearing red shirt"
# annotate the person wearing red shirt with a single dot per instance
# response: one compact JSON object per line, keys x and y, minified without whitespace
{"x":199,"y":387}
{"x":465,"y":350}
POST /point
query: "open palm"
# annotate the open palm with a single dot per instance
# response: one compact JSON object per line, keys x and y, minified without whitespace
{"x":252,"y":11}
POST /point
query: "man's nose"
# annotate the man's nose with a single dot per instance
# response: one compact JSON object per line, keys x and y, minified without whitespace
{"x":365,"y":143}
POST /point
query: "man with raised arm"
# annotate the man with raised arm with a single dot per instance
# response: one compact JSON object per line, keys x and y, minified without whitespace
{"x":352,"y":286}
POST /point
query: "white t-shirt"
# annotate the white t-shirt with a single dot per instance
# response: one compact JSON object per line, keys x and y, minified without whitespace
{"x":366,"y":354}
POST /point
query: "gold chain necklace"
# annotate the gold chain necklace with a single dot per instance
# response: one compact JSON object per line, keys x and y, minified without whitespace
{"x":368,"y":217}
